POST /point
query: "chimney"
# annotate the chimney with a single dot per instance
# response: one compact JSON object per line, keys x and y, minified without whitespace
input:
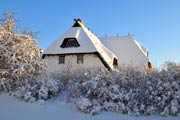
{"x":78,"y":23}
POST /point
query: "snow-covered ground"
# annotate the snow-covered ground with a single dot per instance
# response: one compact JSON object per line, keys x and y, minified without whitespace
{"x":13,"y":109}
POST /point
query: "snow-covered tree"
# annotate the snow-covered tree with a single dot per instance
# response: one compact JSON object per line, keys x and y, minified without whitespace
{"x":19,"y":53}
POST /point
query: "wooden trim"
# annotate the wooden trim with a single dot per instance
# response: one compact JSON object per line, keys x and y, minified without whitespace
{"x":67,"y":54}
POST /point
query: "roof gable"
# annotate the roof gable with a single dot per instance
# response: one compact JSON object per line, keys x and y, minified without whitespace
{"x":88,"y":43}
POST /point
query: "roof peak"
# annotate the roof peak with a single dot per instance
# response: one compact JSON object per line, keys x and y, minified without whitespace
{"x":78,"y":23}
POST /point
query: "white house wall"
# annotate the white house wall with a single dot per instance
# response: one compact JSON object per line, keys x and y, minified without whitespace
{"x":89,"y":61}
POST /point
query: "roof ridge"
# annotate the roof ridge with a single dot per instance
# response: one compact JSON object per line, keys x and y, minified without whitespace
{"x":110,"y":54}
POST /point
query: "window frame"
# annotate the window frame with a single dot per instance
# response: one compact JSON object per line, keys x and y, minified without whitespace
{"x":62,"y":59}
{"x":115,"y":62}
{"x":80,"y":59}
{"x":69,"y":43}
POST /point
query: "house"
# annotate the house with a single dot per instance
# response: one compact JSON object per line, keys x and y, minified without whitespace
{"x":79,"y":48}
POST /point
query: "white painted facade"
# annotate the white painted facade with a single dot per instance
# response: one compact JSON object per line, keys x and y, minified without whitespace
{"x":90,"y":61}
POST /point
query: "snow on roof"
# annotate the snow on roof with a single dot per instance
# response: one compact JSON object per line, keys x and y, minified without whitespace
{"x":89,"y":43}
{"x":105,"y":52}
{"x":86,"y":45}
{"x":144,"y":50}
{"x":127,"y":49}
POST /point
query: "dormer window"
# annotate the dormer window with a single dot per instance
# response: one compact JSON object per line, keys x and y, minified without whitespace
{"x":115,"y":62}
{"x":69,"y":42}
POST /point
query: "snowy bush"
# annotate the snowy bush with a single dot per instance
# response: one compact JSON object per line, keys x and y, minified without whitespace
{"x":129,"y":91}
{"x":87,"y":106}
{"x":41,"y":88}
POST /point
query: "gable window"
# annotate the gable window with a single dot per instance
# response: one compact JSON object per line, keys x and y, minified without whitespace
{"x":115,"y":62}
{"x":79,"y":59}
{"x":70,"y":42}
{"x":61,"y":59}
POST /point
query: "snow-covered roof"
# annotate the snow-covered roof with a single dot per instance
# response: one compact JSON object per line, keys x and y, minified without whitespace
{"x":127,"y":49}
{"x":88,"y":42}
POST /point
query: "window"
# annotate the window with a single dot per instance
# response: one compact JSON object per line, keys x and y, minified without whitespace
{"x":61,"y":59}
{"x":70,"y":42}
{"x":79,"y":59}
{"x":149,"y":65}
{"x":115,"y":62}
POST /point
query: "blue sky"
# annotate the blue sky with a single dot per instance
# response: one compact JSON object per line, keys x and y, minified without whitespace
{"x":155,"y":23}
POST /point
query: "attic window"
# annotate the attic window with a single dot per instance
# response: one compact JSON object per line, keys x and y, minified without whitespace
{"x":69,"y":42}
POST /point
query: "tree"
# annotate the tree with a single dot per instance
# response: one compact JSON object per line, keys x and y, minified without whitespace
{"x":8,"y":21}
{"x":19,"y":53}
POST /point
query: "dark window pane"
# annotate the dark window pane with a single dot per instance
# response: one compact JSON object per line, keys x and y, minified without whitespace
{"x":70,"y":42}
{"x":80,"y":59}
{"x":61,"y":59}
